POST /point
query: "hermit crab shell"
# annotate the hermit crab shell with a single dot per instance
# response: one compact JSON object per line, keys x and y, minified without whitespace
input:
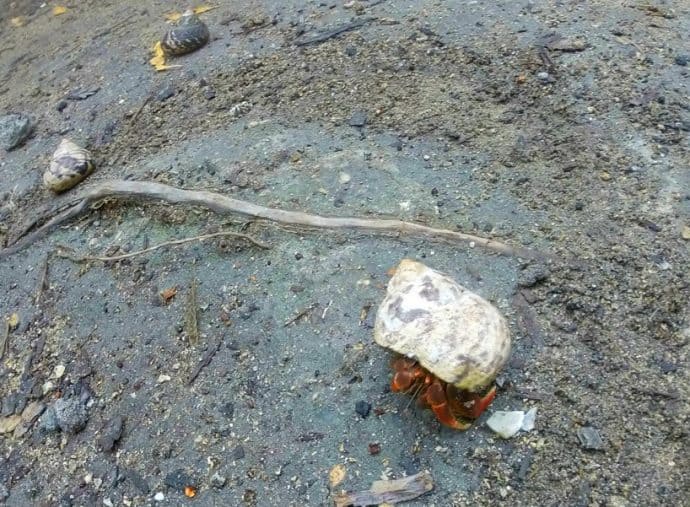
{"x":70,"y":164}
{"x":452,"y":332}
{"x":188,"y":35}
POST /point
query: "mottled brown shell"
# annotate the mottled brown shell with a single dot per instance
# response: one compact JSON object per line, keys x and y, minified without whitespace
{"x":452,"y":332}
{"x":188,"y":35}
{"x":69,"y":165}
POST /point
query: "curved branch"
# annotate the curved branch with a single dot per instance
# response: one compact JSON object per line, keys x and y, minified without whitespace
{"x":222,"y":204}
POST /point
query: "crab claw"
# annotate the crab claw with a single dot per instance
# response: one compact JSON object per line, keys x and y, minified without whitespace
{"x":437,"y":399}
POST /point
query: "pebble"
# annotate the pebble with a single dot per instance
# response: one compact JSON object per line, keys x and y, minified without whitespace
{"x":159,"y":497}
{"x":14,"y":129}
{"x":590,"y":439}
{"x":228,"y":410}
{"x":165,"y":93}
{"x":217,"y":480}
{"x":682,"y":60}
{"x":178,"y":479}
{"x":543,"y":76}
{"x":112,"y":431}
{"x":8,"y":424}
{"x":209,"y":93}
{"x":358,"y":119}
{"x":48,"y":421}
{"x":238,"y":452}
{"x":363,"y":408}
{"x":71,"y":415}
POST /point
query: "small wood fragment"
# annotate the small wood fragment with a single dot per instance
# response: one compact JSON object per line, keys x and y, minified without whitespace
{"x":389,"y":492}
{"x":191,"y":317}
{"x":204,"y":362}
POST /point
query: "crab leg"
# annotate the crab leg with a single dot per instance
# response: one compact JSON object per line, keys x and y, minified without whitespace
{"x":436,"y":397}
{"x":471,"y":405}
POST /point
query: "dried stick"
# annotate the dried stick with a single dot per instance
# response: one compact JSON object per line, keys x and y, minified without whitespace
{"x":222,"y":204}
{"x":84,"y":258}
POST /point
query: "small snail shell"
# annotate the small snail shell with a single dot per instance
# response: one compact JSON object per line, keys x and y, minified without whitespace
{"x":188,"y":35}
{"x":451,"y":331}
{"x":70,"y":164}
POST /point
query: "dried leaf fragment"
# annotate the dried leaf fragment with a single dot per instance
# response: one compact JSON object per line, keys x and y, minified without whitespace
{"x":158,"y":59}
{"x":59,"y":9}
{"x":389,"y":492}
{"x":336,"y":475}
{"x":167,"y":294}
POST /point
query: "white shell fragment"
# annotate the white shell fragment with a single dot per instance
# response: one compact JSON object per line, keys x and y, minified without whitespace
{"x":70,"y":164}
{"x":454,"y":333}
{"x":507,"y":424}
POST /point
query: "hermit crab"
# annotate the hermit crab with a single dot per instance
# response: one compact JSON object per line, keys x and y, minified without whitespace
{"x":188,"y":35}
{"x":69,"y":165}
{"x":449,"y":343}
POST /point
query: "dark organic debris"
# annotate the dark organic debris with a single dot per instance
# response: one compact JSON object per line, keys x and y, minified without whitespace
{"x":324,"y":36}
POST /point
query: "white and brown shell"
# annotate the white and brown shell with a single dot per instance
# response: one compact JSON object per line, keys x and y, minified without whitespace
{"x":189,"y":34}
{"x":70,"y":165}
{"x":451,"y":331}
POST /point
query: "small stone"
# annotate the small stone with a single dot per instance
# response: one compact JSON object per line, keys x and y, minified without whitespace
{"x":682,"y":60}
{"x":178,"y":479}
{"x":604,"y":176}
{"x":685,"y":233}
{"x":533,"y":275}
{"x":58,"y":371}
{"x":165,"y":93}
{"x":61,"y":105}
{"x":9,"y":402}
{"x":238,"y":452}
{"x":358,"y":119}
{"x":71,"y":415}
{"x":163,"y":378}
{"x":32,"y":411}
{"x":111,"y":433}
{"x":506,"y":424}
{"x":48,"y":421}
{"x":344,"y":178}
{"x":14,"y":129}
{"x":107,"y":502}
{"x":228,"y":410}
{"x":159,"y":497}
{"x":543,"y":76}
{"x":218,"y":481}
{"x":363,"y":408}
{"x":529,"y":420}
{"x":209,"y":93}
{"x":590,"y":439}
{"x":374,"y":448}
{"x":8,"y":424}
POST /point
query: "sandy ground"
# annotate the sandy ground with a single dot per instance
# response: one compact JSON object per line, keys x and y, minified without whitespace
{"x":561,"y":126}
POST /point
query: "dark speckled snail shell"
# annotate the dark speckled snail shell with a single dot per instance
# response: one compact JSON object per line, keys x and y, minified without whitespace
{"x":188,"y":35}
{"x":70,"y":164}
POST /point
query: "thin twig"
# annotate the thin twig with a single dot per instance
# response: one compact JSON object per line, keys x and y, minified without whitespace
{"x":191,"y":317}
{"x":220,"y":203}
{"x":299,"y":314}
{"x":83,"y":258}
{"x":43,"y":282}
{"x":204,"y":362}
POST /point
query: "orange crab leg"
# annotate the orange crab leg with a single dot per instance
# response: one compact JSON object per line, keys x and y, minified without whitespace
{"x":435,"y":396}
{"x":472,"y":405}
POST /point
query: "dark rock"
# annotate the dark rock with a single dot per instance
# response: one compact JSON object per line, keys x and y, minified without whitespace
{"x":532,"y":275}
{"x":228,"y":410}
{"x":682,"y":60}
{"x":165,"y":93}
{"x":358,"y":119}
{"x":138,"y":481}
{"x":14,"y":129}
{"x":238,"y":452}
{"x":363,"y":408}
{"x":350,"y":51}
{"x":61,"y":105}
{"x":111,"y":433}
{"x":178,"y":479}
{"x":9,"y":402}
{"x":71,"y":415}
{"x":218,"y":481}
{"x":590,"y":439}
{"x":48,"y":422}
{"x":82,"y":94}
{"x":209,"y":93}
